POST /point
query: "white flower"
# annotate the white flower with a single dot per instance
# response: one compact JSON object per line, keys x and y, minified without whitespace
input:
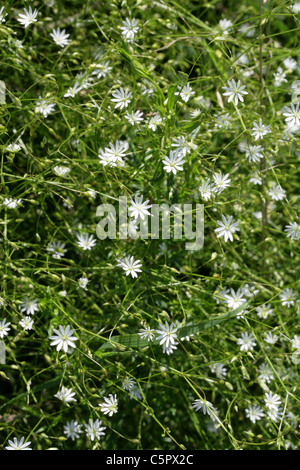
{"x":61,"y":170}
{"x":114,"y":153}
{"x":163,"y":249}
{"x":290,"y":133}
{"x":265,"y":373}
{"x":288,"y":297}
{"x":28,"y":17}
{"x":147,"y":88}
{"x":26,"y":323}
{"x":60,"y":37}
{"x":134,"y":117}
{"x":121,"y":98}
{"x":235,"y":91}
{"x":221,"y":293}
{"x":290,"y":63}
{"x":92,"y":193}
{"x":136,"y":393}
{"x":295,"y":342}
{"x":57,"y":249}
{"x":183,"y":145}
{"x":279,"y":77}
{"x":185,"y":93}
{"x":246,"y":73}
{"x":63,"y":293}
{"x":219,"y":370}
{"x":295,"y":7}
{"x":13,"y":148}
{"x":18,"y":43}
{"x":270,"y":338}
{"x":249,"y":291}
{"x":254,"y":153}
{"x":276,"y":192}
{"x":130,"y":266}
{"x":255,"y":179}
{"x":272,"y":401}
{"x":72,"y":429}
{"x":254,"y":413}
{"x":29,"y":306}
{"x":196,"y":112}
{"x":11,"y":203}
{"x":167,"y":333}
{"x":16,"y":444}
{"x":225,"y":25}
{"x":65,"y":395}
{"x":221,"y":181}
{"x":139,"y":208}
{"x":94,"y":430}
{"x":83,"y":282}
{"x":128,"y":383}
{"x":155,"y":121}
{"x":264,"y":311}
{"x":147,"y":333}
{"x":204,"y":102}
{"x":102,"y":69}
{"x":170,"y":348}
{"x":259,"y":130}
{"x":293,"y":230}
{"x":83,"y":79}
{"x":63,"y":338}
{"x":2,"y":15}
{"x":106,"y":159}
{"x":246,"y":342}
{"x":206,"y":189}
{"x":174,"y":162}
{"x":292,"y":115}
{"x":72,"y":91}
{"x":110,"y":405}
{"x":223,"y":120}
{"x":4,"y":328}
{"x":241,"y":314}
{"x":275,"y":414}
{"x":129,"y":28}
{"x":44,"y":107}
{"x":85,"y":241}
{"x":206,"y":407}
{"x":226,"y":228}
{"x":234,"y":300}
{"x":248,"y":29}
{"x":242,"y":59}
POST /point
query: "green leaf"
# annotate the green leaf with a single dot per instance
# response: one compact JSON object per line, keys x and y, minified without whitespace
{"x":123,"y":342}
{"x":138,"y":67}
{"x":52,"y":383}
{"x":158,"y":178}
{"x":189,"y":16}
{"x":191,"y":126}
{"x":171,"y":97}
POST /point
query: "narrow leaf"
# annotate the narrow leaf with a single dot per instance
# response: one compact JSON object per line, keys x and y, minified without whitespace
{"x":123,"y":342}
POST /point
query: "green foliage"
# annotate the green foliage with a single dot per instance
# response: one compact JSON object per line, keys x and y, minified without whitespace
{"x":58,"y":121}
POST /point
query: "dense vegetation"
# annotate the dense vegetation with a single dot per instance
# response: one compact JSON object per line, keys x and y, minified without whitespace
{"x":139,"y":343}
